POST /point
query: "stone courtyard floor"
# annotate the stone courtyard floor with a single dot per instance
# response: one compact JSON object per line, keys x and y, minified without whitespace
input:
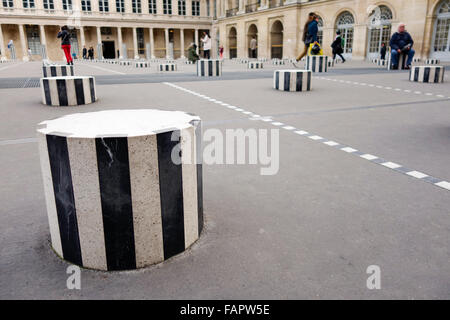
{"x":308,"y":232}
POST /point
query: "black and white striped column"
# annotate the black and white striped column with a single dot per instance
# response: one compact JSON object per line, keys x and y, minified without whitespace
{"x":317,"y":63}
{"x":429,"y":74}
{"x":141,"y":64}
{"x":209,"y":68}
{"x":292,"y":80}
{"x":121,"y":195}
{"x":57,"y":70}
{"x":167,"y":67}
{"x":68,"y":91}
{"x":125,"y":63}
{"x":381,"y":62}
{"x":277,"y":62}
{"x":255,"y":65}
{"x":431,"y":61}
{"x":401,"y":59}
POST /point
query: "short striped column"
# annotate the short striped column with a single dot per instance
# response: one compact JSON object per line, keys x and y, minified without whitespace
{"x":416,"y":60}
{"x":189,"y":62}
{"x":381,"y":62}
{"x":209,"y":68}
{"x":68,"y":91}
{"x":292,"y":80}
{"x":262,"y":59}
{"x":141,"y":64}
{"x":429,"y":74}
{"x":317,"y":63}
{"x":125,"y":63}
{"x":255,"y":65}
{"x":118,"y":197}
{"x":432,"y":61}
{"x":375,"y":61}
{"x":402,"y":58}
{"x":167,"y":67}
{"x":57,"y":70}
{"x":277,"y":62}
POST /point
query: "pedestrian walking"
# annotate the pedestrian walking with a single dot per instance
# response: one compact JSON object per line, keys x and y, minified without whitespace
{"x":383,"y":51}
{"x":221,"y":52}
{"x":65,"y":43}
{"x":91,"y":53}
{"x":253,"y":47}
{"x":309,"y":34}
{"x":84,"y":52}
{"x":337,"y":46}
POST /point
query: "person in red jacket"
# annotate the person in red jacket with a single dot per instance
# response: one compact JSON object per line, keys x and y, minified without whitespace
{"x":65,"y":43}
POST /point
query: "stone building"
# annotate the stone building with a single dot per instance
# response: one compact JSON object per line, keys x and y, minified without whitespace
{"x":166,"y":28}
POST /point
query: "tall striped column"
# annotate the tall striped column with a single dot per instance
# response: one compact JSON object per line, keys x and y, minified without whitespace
{"x":167,"y":67}
{"x":57,"y":70}
{"x":317,"y":63}
{"x":123,"y":188}
{"x":209,"y":68}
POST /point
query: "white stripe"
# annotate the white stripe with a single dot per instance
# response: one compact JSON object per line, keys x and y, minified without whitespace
{"x":348,"y":149}
{"x":391,"y":165}
{"x":331,"y":143}
{"x":443,"y":184}
{"x":417,"y":174}
{"x":301,"y":132}
{"x":315,"y":137}
{"x":368,"y":156}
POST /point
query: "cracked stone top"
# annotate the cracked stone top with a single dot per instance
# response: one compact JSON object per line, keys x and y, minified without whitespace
{"x":117,"y":123}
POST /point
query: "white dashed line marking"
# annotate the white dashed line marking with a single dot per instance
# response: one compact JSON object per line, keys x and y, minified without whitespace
{"x":391,"y":165}
{"x":368,"y":156}
{"x":349,"y":150}
{"x":417,"y":174}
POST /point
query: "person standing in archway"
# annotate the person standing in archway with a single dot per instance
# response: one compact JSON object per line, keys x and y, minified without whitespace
{"x":253,"y":46}
{"x":65,"y":43}
{"x":206,"y":45}
{"x":310,"y":31}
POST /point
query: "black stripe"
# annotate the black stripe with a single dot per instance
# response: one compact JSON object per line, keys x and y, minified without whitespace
{"x":92,"y":87}
{"x":115,"y":195}
{"x":62,"y":92}
{"x":79,"y":91}
{"x":48,"y":97}
{"x":436,"y":74}
{"x":287,"y":81}
{"x":308,"y":83}
{"x":64,"y":199}
{"x":63,"y":71}
{"x":320,"y":64}
{"x":426,"y":74}
{"x":53,"y":71}
{"x":210,"y":67}
{"x":202,"y":68}
{"x":217,"y":68}
{"x":198,"y":136}
{"x":299,"y":81}
{"x":71,"y":70}
{"x":171,"y":194}
{"x":313,"y":64}
{"x":416,"y":74}
{"x":277,"y":80}
{"x":44,"y":71}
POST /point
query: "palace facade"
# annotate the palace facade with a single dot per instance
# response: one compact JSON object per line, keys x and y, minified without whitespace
{"x":166,"y":28}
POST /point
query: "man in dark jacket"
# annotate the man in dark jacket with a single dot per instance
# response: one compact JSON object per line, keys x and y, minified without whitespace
{"x":84,"y":52}
{"x":401,"y":43}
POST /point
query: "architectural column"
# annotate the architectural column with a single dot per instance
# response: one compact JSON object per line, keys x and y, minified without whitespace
{"x":119,"y":39}
{"x":241,"y":6}
{"x":82,"y":37}
{"x":99,"y":43}
{"x":188,"y":7}
{"x":152,"y":43}
{"x":43,"y":41}
{"x":196,"y":40}
{"x":166,"y":38}
{"x":23,"y":42}
{"x":182,"y":43}
{"x":135,"y":44}
{"x":2,"y":43}
{"x":359,"y":42}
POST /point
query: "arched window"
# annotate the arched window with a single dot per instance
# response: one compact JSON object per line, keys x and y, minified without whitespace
{"x":441,"y":37}
{"x":276,"y":40}
{"x":379,"y":29}
{"x":345,"y":23}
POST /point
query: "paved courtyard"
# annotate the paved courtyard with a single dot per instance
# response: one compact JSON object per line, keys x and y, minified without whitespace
{"x":364,"y":179}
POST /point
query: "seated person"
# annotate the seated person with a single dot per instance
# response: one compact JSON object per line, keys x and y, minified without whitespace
{"x":401,"y":43}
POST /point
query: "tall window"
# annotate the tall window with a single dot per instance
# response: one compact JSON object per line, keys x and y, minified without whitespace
{"x":136,"y":4}
{"x":8,"y":3}
{"x":344,"y":24}
{"x":152,"y":6}
{"x":207,"y":8}
{"x":441,"y":44}
{"x":182,"y":7}
{"x":49,"y":5}
{"x":103,"y":5}
{"x":140,"y":40}
{"x":34,"y":42}
{"x":120,"y":6}
{"x":379,"y":29}
{"x":167,"y":6}
{"x":67,"y":5}
{"x":28,"y":3}
{"x":86,"y":5}
{"x":320,"y":30}
{"x":195,"y":8}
